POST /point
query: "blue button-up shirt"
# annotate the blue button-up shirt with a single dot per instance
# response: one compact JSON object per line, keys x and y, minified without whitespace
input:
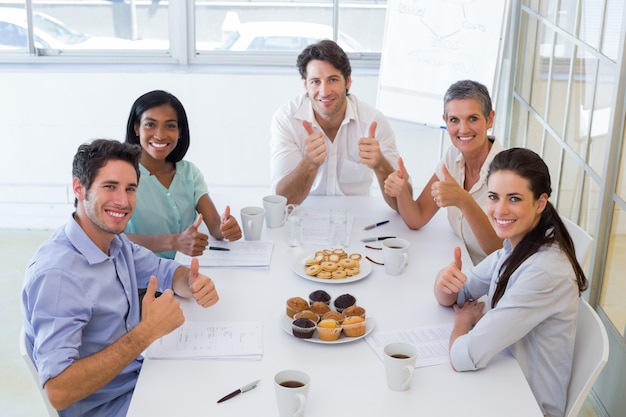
{"x":77,"y":300}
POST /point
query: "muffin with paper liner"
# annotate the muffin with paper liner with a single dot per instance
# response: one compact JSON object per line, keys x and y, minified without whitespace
{"x":328,"y":330}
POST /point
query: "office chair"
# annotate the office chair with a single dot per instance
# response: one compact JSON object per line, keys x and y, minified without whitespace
{"x":26,"y":350}
{"x":582,"y":239}
{"x":591,"y":352}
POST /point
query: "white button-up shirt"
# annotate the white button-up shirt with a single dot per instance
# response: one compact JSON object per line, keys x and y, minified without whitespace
{"x":342,"y":173}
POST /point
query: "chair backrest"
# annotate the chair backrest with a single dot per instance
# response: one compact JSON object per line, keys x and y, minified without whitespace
{"x":26,"y":351}
{"x":582,"y":239}
{"x":591,"y":352}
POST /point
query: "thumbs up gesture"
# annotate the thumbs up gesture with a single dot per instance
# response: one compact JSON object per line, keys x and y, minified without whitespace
{"x":202,"y":287}
{"x":452,"y":279}
{"x":192,"y":242}
{"x":369,"y":148}
{"x":162,"y":314}
{"x":229,"y":227}
{"x":396,"y":182}
{"x":448,"y":192}
{"x":314,"y":144}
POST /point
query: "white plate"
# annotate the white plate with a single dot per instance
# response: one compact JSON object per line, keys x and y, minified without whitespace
{"x":298,"y":267}
{"x":285,"y":324}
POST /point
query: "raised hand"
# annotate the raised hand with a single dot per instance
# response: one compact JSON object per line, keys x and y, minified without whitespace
{"x":452,"y":278}
{"x":229,"y":227}
{"x":448,"y":192}
{"x":396,"y":182}
{"x":192,"y":242}
{"x":369,"y":148}
{"x":202,"y":287}
{"x":314,"y":145}
{"x":163,"y":314}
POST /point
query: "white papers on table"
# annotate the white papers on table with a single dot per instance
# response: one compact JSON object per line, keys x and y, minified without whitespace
{"x":255,"y":254}
{"x":197,"y":339}
{"x":316,"y":228}
{"x":431,"y":342}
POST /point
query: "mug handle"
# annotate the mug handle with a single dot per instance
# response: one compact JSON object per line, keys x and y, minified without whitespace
{"x":405,"y":260}
{"x":302,"y":402}
{"x":289,"y":208}
{"x":410,"y":370}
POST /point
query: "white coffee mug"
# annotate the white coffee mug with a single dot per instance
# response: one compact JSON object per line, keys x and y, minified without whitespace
{"x":274,"y":206}
{"x":292,"y":389}
{"x":395,"y":255}
{"x":252,"y":222}
{"x":400,"y":365}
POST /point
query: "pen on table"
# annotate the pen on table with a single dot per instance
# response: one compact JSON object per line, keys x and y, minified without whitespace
{"x":371,"y":226}
{"x":374,"y":239}
{"x":217,"y":248}
{"x":245,"y":388}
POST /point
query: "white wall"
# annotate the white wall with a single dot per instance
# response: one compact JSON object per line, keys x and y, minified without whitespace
{"x":47,"y":111}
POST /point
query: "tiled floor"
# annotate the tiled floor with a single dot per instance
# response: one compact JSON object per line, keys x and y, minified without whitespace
{"x":18,"y":393}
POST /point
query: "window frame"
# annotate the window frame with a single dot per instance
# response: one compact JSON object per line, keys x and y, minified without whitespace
{"x":182,"y":49}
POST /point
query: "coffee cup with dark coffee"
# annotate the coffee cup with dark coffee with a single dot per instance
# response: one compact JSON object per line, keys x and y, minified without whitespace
{"x":292,"y":389}
{"x":399,"y":365}
{"x":395,"y":255}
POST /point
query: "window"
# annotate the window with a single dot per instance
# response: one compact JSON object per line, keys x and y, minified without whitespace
{"x":231,"y":32}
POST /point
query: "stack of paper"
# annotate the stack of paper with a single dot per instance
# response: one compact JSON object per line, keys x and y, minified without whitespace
{"x":196,"y":339}
{"x":241,"y":254}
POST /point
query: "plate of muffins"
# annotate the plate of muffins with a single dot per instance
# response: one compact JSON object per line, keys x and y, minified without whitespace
{"x":319,"y":320}
{"x":331,"y":266}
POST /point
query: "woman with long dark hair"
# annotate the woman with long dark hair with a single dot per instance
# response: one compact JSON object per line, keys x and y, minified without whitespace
{"x":532,"y":284}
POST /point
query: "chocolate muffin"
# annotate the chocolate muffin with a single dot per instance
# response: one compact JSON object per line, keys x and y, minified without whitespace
{"x":303,"y":328}
{"x":344,"y":301}
{"x":319,"y":295}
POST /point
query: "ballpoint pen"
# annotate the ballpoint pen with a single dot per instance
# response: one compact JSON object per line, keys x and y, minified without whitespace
{"x":218,"y":248}
{"x":374,"y":239}
{"x":371,"y":226}
{"x":245,"y":388}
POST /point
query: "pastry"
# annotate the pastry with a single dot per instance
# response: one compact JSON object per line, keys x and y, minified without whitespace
{"x":310,"y":262}
{"x":355,"y":256}
{"x":319,"y":295}
{"x":306,"y":314}
{"x":354,"y":326}
{"x":339,"y":274}
{"x":354,"y":311}
{"x":319,"y":308}
{"x":348,"y":263}
{"x":328,"y":330}
{"x":335,"y":315}
{"x":324,"y":275}
{"x":303,"y":328}
{"x":330,"y":266}
{"x":344,"y":301}
{"x":313,"y":270}
{"x":296,"y":304}
{"x":352,"y":271}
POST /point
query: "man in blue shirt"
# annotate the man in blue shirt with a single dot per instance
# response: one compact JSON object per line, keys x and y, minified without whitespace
{"x":80,"y":301}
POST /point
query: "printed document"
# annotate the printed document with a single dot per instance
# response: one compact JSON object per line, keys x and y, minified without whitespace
{"x":224,"y":340}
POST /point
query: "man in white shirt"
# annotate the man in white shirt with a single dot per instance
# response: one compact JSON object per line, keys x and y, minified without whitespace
{"x":326,"y":141}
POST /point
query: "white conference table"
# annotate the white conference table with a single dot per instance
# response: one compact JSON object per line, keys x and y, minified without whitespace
{"x":346,"y":379}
